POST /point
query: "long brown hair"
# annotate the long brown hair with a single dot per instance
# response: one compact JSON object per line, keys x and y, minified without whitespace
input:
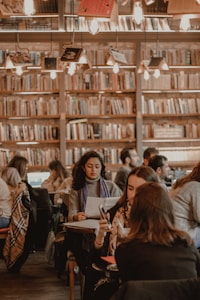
{"x":152,"y":217}
{"x":194,"y":175}
{"x":145,"y":172}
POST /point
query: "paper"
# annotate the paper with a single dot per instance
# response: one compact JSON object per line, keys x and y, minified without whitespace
{"x":85,"y":224}
{"x":92,"y":205}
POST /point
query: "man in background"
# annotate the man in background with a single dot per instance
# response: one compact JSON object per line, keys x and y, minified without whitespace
{"x":148,"y":153}
{"x":130,"y":159}
{"x":160,"y":165}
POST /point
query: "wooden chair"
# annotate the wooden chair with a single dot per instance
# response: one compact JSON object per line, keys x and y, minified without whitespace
{"x":3,"y":235}
{"x":72,"y":265}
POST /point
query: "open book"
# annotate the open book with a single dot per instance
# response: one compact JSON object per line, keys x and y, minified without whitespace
{"x":92,"y":205}
{"x":92,"y":211}
{"x":84,"y":224}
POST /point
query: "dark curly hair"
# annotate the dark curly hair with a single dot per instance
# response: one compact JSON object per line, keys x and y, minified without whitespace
{"x":78,"y":170}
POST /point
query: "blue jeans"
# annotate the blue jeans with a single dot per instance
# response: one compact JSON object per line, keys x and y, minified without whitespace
{"x":4,"y":222}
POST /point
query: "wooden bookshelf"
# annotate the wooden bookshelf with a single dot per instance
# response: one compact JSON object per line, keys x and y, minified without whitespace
{"x":171,"y":104}
{"x":108,"y":101}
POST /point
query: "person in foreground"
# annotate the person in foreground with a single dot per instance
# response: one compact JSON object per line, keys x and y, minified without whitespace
{"x":154,"y":248}
{"x":107,"y":239}
{"x":185,"y":195}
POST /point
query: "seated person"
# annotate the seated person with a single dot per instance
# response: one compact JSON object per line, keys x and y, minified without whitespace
{"x":5,"y":204}
{"x":15,"y":250}
{"x":185,"y":194}
{"x":107,"y":239}
{"x":154,"y":248}
{"x":130,"y":160}
{"x":160,"y":165}
{"x":88,"y":180}
{"x":58,"y":181}
{"x":58,"y":174}
{"x":11,"y":186}
{"x":149,"y":153}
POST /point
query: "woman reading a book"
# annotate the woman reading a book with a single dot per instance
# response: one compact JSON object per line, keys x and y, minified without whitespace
{"x":89,"y":179}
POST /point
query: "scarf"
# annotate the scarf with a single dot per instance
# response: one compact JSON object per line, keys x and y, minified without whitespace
{"x":83,"y":192}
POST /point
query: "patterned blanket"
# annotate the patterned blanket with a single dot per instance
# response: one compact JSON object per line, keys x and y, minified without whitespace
{"x":15,"y":240}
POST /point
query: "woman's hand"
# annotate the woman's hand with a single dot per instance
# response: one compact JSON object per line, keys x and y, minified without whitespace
{"x":79,"y":216}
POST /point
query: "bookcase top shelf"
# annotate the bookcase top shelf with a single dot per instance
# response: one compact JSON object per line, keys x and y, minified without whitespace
{"x":108,"y":142}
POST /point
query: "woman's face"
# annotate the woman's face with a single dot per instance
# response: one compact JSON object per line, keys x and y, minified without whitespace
{"x":133,"y":183}
{"x":92,"y":168}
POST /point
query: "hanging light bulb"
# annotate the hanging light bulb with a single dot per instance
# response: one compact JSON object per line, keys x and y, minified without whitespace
{"x":83,"y":58}
{"x":29,"y":7}
{"x":156,"y":73}
{"x":53,"y":74}
{"x":72,"y":68}
{"x":93,"y":26}
{"x":116,"y":68}
{"x":19,"y":70}
{"x":9,"y":64}
{"x":185,"y":23}
{"x":146,"y":75}
{"x":138,"y":14}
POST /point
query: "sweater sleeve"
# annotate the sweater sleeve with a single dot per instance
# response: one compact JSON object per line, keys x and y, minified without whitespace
{"x":195,"y":199}
{"x":73,"y":205}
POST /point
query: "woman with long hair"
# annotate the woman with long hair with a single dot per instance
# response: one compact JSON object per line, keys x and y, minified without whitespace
{"x":107,"y":238}
{"x":59,"y":178}
{"x":154,"y":248}
{"x":89,"y":179}
{"x":185,"y":194}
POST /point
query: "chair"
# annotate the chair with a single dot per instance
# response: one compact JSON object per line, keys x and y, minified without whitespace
{"x":3,"y":235}
{"x":181,"y":289}
{"x":44,"y":211}
{"x":72,"y":265}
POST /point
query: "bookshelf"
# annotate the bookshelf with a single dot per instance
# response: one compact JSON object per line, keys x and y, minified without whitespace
{"x":170,"y":105}
{"x":97,"y":109}
{"x":29,"y":109}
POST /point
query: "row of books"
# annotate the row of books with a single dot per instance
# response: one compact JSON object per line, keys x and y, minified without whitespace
{"x":176,"y":81}
{"x":35,"y":156}
{"x":29,"y":105}
{"x":125,"y":23}
{"x":83,"y":130}
{"x":170,"y":105}
{"x":35,"y":58}
{"x":110,"y":155}
{"x":100,"y":80}
{"x":176,"y":56}
{"x":98,"y":55}
{"x":171,"y":131}
{"x":180,"y":154}
{"x":28,"y":82}
{"x":28,"y":132}
{"x":99,"y":105}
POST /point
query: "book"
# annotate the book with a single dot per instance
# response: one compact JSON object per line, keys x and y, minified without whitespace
{"x":92,"y":205}
{"x":98,"y":8}
{"x":84,"y":224}
{"x":109,"y":259}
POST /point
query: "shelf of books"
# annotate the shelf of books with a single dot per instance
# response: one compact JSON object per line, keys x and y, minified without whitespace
{"x":171,"y":105}
{"x":100,"y":106}
{"x":29,"y":107}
